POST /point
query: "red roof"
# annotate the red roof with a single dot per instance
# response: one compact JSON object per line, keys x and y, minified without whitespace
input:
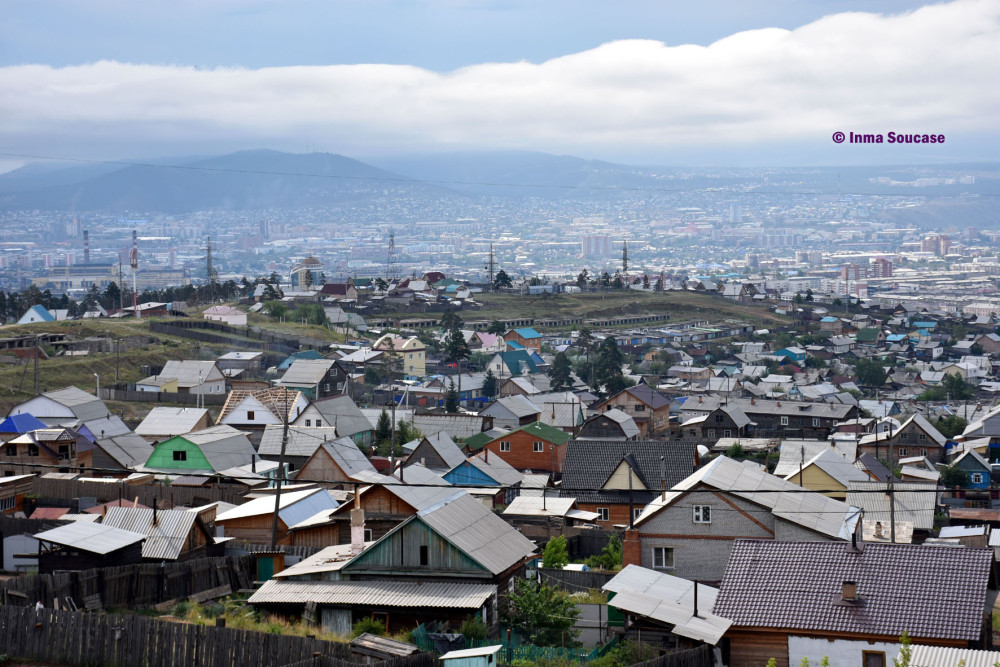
{"x":99,"y":509}
{"x":48,"y":512}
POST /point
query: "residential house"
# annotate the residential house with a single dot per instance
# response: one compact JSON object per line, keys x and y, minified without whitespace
{"x":911,"y":503}
{"x":727,"y":421}
{"x":792,"y":601}
{"x":689,"y":531}
{"x":542,"y":517}
{"x":779,"y":418}
{"x":437,"y":452}
{"x":228,"y":315}
{"x":170,"y":534}
{"x":915,"y":437}
{"x":164,"y":422}
{"x":315,"y":378}
{"x":795,"y":453}
{"x":870,"y":337}
{"x":62,"y":406}
{"x":340,"y":412}
{"x":443,"y":564}
{"x":339,"y":291}
{"x":616,"y":478}
{"x":13,"y":489}
{"x":828,"y":473}
{"x":82,"y":545}
{"x":241,"y":363}
{"x":36,"y":313}
{"x":115,"y":455}
{"x":611,"y":425}
{"x":42,"y":450}
{"x":300,"y":443}
{"x":411,"y":352}
{"x":526,"y":337}
{"x":193,"y":377}
{"x":19,"y":424}
{"x":511,"y":363}
{"x":334,"y":463}
{"x":535,"y":447}
{"x":253,"y":521}
{"x":563,"y":410}
{"x":989,"y":342}
{"x":211,"y":451}
{"x":649,"y":408}
{"x":512,"y":412}
{"x":253,"y":409}
{"x":499,"y":478}
{"x":977,"y":468}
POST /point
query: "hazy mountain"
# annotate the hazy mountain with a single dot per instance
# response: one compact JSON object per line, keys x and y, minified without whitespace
{"x":245,"y":180}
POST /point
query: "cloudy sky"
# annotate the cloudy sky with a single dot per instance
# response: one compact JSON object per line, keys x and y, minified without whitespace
{"x":661,"y":82}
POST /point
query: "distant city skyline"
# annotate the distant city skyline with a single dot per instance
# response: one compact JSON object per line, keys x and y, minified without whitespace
{"x":740,"y":83}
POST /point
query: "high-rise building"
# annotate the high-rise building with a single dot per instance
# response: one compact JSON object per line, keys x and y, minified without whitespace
{"x":853,"y":272}
{"x":939,"y":244}
{"x":596,"y":247}
{"x":880,"y":268}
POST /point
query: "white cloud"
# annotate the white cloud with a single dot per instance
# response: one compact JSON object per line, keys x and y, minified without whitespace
{"x":932,"y":70}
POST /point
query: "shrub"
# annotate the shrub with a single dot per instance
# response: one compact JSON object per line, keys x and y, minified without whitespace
{"x":473,"y":628}
{"x":370,"y":625}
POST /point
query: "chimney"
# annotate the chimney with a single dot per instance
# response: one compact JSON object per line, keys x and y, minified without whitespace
{"x":86,"y":247}
{"x":155,"y":503}
{"x":779,"y":404}
{"x":878,"y":529}
{"x":753,"y":401}
{"x":849,"y":591}
{"x":357,"y":531}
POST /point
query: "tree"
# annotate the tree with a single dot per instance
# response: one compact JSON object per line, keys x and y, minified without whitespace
{"x":605,"y":279}
{"x":502,"y":281}
{"x":456,"y":348}
{"x":957,"y":388}
{"x":582,"y":278}
{"x":953,"y":477}
{"x":610,"y":557}
{"x":870,"y":373}
{"x":617,"y":282}
{"x":617,"y":383}
{"x":645,"y":281}
{"x":451,"y":398}
{"x":381,"y":285}
{"x":798,"y":298}
{"x":307,"y":279}
{"x":540,"y":613}
{"x":496,"y":328}
{"x":951,"y":425}
{"x":112,"y":296}
{"x":275,"y":309}
{"x":555,"y":555}
{"x":383,"y":428}
{"x":489,"y":384}
{"x":450,"y":320}
{"x":658,"y":287}
{"x":561,"y":372}
{"x":905,"y":653}
{"x":608,"y":365}
{"x":809,"y":295}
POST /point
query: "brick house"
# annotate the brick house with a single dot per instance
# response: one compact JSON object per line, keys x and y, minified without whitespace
{"x":649,"y":408}
{"x":536,"y":447}
{"x":915,"y":437}
{"x":525,"y":337}
{"x":600,"y":473}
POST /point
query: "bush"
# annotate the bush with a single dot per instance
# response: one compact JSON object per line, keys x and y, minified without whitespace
{"x":370,"y":625}
{"x":473,"y":628}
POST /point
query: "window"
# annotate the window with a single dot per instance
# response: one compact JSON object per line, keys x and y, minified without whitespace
{"x":180,"y":455}
{"x":815,"y":421}
{"x":902,"y":451}
{"x":7,"y":503}
{"x":63,"y":452}
{"x":710,"y":433}
{"x":249,"y":415}
{"x":636,"y":511}
{"x":922,"y":437}
{"x":663,"y":558}
{"x":718,"y":419}
{"x":368,"y":535}
{"x":11,"y":450}
{"x":504,"y":446}
{"x":703,"y":514}
{"x":872,"y":659}
{"x":784,"y":421}
{"x":727,"y":433}
{"x":538,"y":447}
{"x":32,"y":450}
{"x":602,"y":514}
{"x":319,"y":422}
{"x":976,"y":477}
{"x":639,"y":407}
{"x":923,"y":452}
{"x":423,"y":554}
{"x":308,"y":422}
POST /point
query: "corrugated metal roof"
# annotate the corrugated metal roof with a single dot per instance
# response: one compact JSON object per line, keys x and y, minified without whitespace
{"x":538,"y":506}
{"x":348,"y":456}
{"x":344,"y":413}
{"x":471,"y":652}
{"x":165,"y":540}
{"x":914,"y":501}
{"x":318,"y":500}
{"x":82,"y":404}
{"x":304,"y":372}
{"x":302,"y":440}
{"x":129,"y":450}
{"x":670,"y":600}
{"x":499,"y":470}
{"x":376,"y":593}
{"x":790,"y":454}
{"x":419,"y":474}
{"x":330,"y":559}
{"x":93,"y":537}
{"x":475,"y":530}
{"x":943,"y":656}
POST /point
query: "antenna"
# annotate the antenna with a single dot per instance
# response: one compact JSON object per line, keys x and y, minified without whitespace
{"x":134,"y":263}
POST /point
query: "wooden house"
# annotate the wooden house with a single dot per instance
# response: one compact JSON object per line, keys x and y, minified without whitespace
{"x":252,"y":521}
{"x":82,"y":545}
{"x":334,"y":463}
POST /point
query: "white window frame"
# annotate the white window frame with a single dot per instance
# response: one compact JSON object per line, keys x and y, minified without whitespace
{"x":636,"y":511}
{"x":710,"y":433}
{"x":784,"y":420}
{"x":661,"y":553}
{"x":538,"y":446}
{"x":701,"y":514}
{"x":815,"y":421}
{"x":603,"y":514}
{"x":976,"y":477}
{"x":505,"y":445}
{"x":902,"y":452}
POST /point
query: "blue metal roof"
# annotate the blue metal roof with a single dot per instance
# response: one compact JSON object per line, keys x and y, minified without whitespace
{"x":21,"y":423}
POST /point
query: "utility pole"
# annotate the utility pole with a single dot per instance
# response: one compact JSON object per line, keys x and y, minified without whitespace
{"x":210,"y":275}
{"x":390,"y":259}
{"x":281,"y":470}
{"x":625,"y":260}
{"x":134,"y":263}
{"x":35,"y":355}
{"x":492,"y":268}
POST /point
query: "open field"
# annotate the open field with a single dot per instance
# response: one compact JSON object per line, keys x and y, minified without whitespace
{"x":681,"y":306}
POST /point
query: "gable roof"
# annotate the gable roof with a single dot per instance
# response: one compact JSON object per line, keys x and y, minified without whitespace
{"x":305,"y":372}
{"x":834,"y":465}
{"x":129,"y":450}
{"x":914,"y":502}
{"x":274,"y":399}
{"x":442,"y":445}
{"x":295,"y":506}
{"x":813,"y":511}
{"x":348,"y":457}
{"x":589,"y":464}
{"x":91,"y":537}
{"x":344,"y":414}
{"x":643,"y":392}
{"x":499,"y":470}
{"x":190,"y":371}
{"x":793,"y":452}
{"x":163,"y":420}
{"x":165,"y":539}
{"x":796,"y":586}
{"x":83,"y":405}
{"x":541,"y":430}
{"x":302,"y":440}
{"x":517,"y":405}
{"x":21,"y":423}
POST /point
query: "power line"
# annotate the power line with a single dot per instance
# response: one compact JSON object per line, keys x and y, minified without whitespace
{"x":426,"y":181}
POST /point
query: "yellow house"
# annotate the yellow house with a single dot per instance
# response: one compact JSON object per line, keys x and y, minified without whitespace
{"x":828,"y":473}
{"x":411,"y":352}
{"x":158,"y":383}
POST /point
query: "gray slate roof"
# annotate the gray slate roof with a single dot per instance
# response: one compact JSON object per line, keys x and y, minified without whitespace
{"x":92,"y":537}
{"x":343,"y":412}
{"x":423,"y":594}
{"x":347,"y":455}
{"x":302,"y":440}
{"x":478,"y":532}
{"x":166,"y":421}
{"x":796,"y":585}
{"x":128,"y":450}
{"x":306,"y":372}
{"x":83,"y":405}
{"x":915,"y":501}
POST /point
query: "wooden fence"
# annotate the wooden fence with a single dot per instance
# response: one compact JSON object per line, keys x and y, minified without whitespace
{"x":122,"y":393}
{"x":131,"y":586}
{"x":194,"y":333}
{"x":696,"y":657}
{"x":574,"y":580}
{"x":111,"y":640}
{"x":416,"y":660}
{"x":65,"y":490}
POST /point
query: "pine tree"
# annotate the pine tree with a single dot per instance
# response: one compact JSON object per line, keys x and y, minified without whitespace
{"x":383,"y":428}
{"x":502,"y":280}
{"x":451,"y":398}
{"x":489,"y":384}
{"x":561,"y":372}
